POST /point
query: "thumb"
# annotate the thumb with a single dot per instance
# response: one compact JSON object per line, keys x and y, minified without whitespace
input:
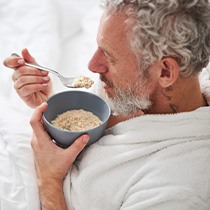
{"x":78,"y":145}
{"x":27,"y":56}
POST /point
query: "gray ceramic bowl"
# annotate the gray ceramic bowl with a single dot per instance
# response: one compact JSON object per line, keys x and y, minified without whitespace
{"x":65,"y":101}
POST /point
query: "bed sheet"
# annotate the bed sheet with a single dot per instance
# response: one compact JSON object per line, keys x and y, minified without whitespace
{"x":18,"y":189}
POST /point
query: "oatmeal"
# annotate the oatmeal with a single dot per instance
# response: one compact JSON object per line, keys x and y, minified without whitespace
{"x":82,"y":81}
{"x":76,"y":120}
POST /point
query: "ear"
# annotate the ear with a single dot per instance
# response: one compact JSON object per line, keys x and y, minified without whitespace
{"x":169,"y":72}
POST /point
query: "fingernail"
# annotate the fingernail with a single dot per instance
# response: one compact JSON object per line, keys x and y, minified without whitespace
{"x":46,"y":78}
{"x":20,"y":61}
{"x":85,"y":139}
{"x":44,"y":72}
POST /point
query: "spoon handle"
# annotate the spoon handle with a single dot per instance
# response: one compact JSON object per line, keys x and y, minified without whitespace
{"x":37,"y":66}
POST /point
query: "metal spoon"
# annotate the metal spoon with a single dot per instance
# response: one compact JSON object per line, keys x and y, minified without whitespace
{"x":65,"y":81}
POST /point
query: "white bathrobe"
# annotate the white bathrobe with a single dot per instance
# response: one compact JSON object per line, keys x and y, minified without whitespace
{"x":152,"y":162}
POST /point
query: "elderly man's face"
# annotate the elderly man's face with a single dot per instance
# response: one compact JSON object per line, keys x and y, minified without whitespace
{"x":121,"y":77}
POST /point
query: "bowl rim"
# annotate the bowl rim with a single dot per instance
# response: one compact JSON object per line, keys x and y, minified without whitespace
{"x":82,"y":131}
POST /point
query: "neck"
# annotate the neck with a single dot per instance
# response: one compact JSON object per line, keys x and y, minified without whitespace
{"x":113,"y":120}
{"x":183,"y":96}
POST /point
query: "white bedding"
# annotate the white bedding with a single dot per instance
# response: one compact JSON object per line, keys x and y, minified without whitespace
{"x":60,"y":34}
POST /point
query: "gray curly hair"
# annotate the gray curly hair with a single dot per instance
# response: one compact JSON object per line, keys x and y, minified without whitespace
{"x":162,"y":28}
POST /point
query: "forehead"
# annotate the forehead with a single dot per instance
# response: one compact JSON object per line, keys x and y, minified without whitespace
{"x":113,"y":23}
{"x":113,"y":31}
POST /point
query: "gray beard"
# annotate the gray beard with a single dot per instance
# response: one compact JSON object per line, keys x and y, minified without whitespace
{"x":126,"y":102}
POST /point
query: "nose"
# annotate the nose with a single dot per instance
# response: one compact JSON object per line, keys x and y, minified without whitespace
{"x":98,"y":63}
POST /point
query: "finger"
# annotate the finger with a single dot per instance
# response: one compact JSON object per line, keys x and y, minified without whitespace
{"x":28,"y":90}
{"x":30,"y":80}
{"x":25,"y":70}
{"x":36,"y":122}
{"x":77,"y":146}
{"x":13,"y":62}
{"x":27,"y":56}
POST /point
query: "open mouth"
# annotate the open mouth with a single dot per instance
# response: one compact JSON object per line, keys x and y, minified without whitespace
{"x":106,"y":83}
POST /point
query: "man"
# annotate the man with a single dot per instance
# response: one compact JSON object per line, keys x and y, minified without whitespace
{"x":149,"y":56}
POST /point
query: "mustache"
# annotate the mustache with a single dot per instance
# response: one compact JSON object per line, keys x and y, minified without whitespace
{"x":105,"y":80}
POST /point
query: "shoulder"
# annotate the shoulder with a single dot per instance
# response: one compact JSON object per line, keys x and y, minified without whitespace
{"x":172,"y":179}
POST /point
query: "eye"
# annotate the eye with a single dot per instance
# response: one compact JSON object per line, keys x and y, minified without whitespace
{"x":109,"y":58}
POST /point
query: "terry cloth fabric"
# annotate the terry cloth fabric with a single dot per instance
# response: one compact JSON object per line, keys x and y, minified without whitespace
{"x":152,"y":162}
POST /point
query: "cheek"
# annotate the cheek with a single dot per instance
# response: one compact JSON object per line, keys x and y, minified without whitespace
{"x":124,"y":73}
{"x":152,"y":87}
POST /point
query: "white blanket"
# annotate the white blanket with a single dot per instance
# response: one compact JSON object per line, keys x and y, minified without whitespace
{"x":153,"y":162}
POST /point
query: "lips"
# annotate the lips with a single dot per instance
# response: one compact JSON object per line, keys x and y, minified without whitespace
{"x":106,"y":83}
{"x":105,"y":86}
